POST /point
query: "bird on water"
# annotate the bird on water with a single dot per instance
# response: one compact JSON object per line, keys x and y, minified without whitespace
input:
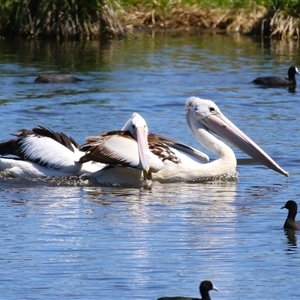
{"x":290,"y":222}
{"x":277,"y":81}
{"x":56,"y":78}
{"x":204,"y":288}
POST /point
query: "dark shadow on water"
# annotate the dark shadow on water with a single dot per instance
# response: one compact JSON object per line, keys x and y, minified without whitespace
{"x":290,"y":89}
{"x":291,"y":238}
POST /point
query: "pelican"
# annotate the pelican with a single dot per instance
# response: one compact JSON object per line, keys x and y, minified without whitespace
{"x":125,"y":152}
{"x":205,"y":118}
{"x":41,"y":152}
{"x":174,"y":161}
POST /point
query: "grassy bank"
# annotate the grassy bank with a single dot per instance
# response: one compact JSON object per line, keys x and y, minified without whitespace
{"x":288,"y":6}
{"x":58,"y":18}
{"x":276,"y":18}
{"x":93,"y":18}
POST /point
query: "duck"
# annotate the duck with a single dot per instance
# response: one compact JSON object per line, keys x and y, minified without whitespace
{"x":290,"y":222}
{"x":57,"y":78}
{"x":276,"y":81}
{"x":204,"y":288}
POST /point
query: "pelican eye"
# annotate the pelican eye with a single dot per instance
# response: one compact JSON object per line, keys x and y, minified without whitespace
{"x":212,"y":109}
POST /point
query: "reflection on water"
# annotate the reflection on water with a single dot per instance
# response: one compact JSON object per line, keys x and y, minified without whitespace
{"x":135,"y":239}
{"x":291,"y":237}
{"x":65,"y":239}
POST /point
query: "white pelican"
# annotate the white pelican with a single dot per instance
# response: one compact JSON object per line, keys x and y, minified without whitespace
{"x":180,"y":162}
{"x":204,"y":118}
{"x":41,"y":152}
{"x":125,"y":152}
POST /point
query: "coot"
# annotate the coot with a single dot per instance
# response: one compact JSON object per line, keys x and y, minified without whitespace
{"x":274,"y":81}
{"x":204,"y":288}
{"x":56,"y":78}
{"x":290,"y":220}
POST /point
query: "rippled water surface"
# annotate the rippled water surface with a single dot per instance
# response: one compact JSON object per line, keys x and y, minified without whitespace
{"x":62,"y":239}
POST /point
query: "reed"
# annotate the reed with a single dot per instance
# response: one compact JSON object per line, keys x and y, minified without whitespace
{"x":59,"y":18}
{"x":93,"y":18}
{"x":275,"y":18}
{"x":282,"y":25}
{"x":238,"y":16}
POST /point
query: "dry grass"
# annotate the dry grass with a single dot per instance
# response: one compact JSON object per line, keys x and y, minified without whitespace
{"x":253,"y":19}
{"x":282,"y":26}
{"x":195,"y":17}
{"x":93,"y":18}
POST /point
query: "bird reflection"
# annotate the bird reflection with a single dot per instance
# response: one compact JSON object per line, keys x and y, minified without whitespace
{"x":291,"y":236}
{"x":292,"y":89}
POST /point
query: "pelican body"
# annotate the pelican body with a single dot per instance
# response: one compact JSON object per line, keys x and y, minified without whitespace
{"x":204,"y":118}
{"x":171,"y":161}
{"x":131,"y":155}
{"x":41,"y":152}
{"x":125,"y":152}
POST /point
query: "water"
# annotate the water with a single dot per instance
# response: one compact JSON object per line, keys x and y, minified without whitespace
{"x":62,"y":239}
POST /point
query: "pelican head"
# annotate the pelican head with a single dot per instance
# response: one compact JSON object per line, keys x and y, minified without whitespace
{"x":205,"y":115}
{"x":138,"y":128}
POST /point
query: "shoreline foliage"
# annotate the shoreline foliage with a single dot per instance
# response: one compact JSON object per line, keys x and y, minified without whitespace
{"x":272,"y":18}
{"x":58,"y":18}
{"x":94,"y":18}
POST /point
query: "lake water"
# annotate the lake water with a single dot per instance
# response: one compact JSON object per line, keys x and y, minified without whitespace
{"x":62,"y":239}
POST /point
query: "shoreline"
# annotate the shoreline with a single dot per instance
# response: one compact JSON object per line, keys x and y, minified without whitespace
{"x":257,"y":21}
{"x":116,"y":21}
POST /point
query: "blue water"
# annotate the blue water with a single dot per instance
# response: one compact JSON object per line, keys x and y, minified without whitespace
{"x":62,"y":239}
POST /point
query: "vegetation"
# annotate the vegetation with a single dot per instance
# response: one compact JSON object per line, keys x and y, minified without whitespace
{"x":92,"y":18}
{"x":277,"y":18}
{"x":59,"y":18}
{"x":289,"y":6}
